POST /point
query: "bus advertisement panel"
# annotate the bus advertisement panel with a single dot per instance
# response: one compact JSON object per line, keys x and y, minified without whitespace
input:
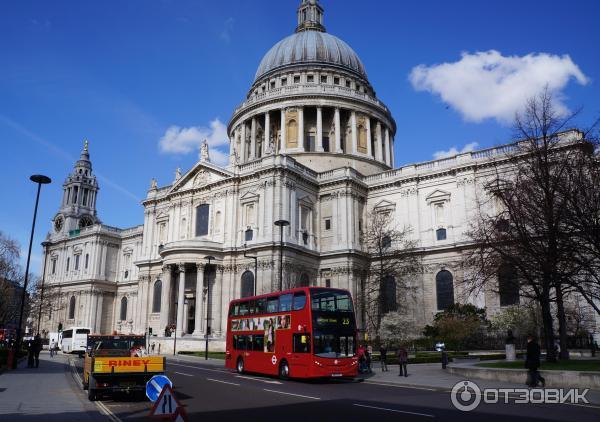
{"x":302,"y":333}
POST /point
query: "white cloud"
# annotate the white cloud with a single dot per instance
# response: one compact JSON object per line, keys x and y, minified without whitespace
{"x":454,"y":151}
{"x":488,"y":85}
{"x":227,"y":31}
{"x":183,"y":140}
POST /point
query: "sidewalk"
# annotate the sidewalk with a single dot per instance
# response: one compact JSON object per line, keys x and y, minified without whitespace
{"x":48,"y":393}
{"x":431,"y":375}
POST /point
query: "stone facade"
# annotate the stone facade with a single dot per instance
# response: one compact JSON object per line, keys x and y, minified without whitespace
{"x":311,"y":144}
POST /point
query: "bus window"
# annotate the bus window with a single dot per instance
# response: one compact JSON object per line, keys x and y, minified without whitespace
{"x":252,"y":307}
{"x":82,"y":331}
{"x":285,"y":302}
{"x":244,"y":308}
{"x":301,"y":343}
{"x":239,"y":342}
{"x":330,"y":301}
{"x":235,"y":309}
{"x":299,"y":301}
{"x":272,"y":304}
{"x":261,"y":306}
{"x":67,"y":334}
{"x":259,"y":343}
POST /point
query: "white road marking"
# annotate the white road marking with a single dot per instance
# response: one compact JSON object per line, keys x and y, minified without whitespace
{"x":197,"y":367}
{"x":258,"y":379}
{"x":292,"y":394}
{"x":107,"y":411}
{"x":394,"y":410}
{"x":401,"y":386}
{"x":183,"y":373}
{"x":223,"y":382}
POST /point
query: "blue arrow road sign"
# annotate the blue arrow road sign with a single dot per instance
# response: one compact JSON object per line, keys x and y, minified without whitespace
{"x":156,"y":385}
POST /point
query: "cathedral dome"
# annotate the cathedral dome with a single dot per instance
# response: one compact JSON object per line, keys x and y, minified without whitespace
{"x":311,"y":47}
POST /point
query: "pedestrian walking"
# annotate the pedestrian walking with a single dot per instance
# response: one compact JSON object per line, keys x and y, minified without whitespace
{"x":152,"y":348}
{"x":51,"y":347}
{"x":383,"y":358}
{"x":30,"y":354}
{"x":37,"y":348}
{"x":362,"y":367}
{"x":368,"y":355}
{"x":532,"y":363}
{"x":402,"y":361}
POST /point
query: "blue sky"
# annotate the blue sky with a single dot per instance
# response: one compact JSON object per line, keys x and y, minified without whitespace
{"x":122,"y":73}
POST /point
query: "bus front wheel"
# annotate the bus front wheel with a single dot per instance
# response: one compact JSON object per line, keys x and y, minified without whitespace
{"x":240,"y":365}
{"x":284,"y":370}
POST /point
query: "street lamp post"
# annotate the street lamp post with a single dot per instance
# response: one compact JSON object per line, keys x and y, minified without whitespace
{"x":185,"y":302}
{"x":40,"y":180}
{"x":45,"y":246}
{"x":208,"y":305}
{"x":281,"y":224}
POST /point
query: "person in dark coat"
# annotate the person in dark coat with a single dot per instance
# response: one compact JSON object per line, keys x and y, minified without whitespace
{"x":532,"y":363}
{"x":402,"y":360}
{"x":37,"y":348}
{"x":383,"y":358}
{"x":30,"y":354}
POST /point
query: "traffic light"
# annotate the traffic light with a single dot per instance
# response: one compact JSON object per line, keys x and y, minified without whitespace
{"x":149,"y":331}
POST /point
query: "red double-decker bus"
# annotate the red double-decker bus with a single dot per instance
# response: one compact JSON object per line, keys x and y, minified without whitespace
{"x":308,"y":332}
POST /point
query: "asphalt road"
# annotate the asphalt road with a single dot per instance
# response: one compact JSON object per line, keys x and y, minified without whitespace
{"x":212,"y":393}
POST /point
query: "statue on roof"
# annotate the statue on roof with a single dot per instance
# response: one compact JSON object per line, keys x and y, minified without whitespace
{"x":177,"y":173}
{"x":204,"y":155}
{"x":153,"y":184}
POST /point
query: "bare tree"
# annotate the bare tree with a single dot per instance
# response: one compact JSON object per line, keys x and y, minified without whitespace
{"x":11,"y":277}
{"x":393,"y":260}
{"x":520,"y":221}
{"x":43,"y":306}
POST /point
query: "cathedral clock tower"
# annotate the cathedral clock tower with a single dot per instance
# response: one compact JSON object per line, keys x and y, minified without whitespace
{"x":80,"y":189}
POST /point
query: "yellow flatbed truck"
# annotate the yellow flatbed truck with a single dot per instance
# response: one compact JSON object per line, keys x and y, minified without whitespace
{"x":113,"y":363}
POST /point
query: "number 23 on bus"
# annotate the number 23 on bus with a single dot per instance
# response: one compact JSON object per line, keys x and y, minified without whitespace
{"x":307,"y":332}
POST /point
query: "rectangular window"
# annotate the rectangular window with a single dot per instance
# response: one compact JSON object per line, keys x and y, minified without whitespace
{"x":310,"y":78}
{"x":296,"y":79}
{"x":328,"y":224}
{"x":301,"y":343}
{"x":68,"y":263}
{"x":283,"y":81}
{"x":336,"y":81}
{"x":202,"y":220}
{"x":272,"y":304}
{"x":440,"y":234}
{"x":285,"y":302}
{"x":327,"y":282}
{"x":261,"y":306}
{"x":323,"y":79}
{"x":258,"y":343}
{"x":272,"y":84}
{"x":54,"y":266}
{"x":87,"y":260}
{"x":85,"y":197}
{"x":76,"y":262}
{"x":348,"y":84}
{"x":243,"y":308}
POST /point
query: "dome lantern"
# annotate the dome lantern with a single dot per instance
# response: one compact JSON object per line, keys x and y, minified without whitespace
{"x":310,"y":16}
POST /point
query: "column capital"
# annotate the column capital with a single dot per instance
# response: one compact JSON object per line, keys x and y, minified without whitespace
{"x":181,"y":267}
{"x":165,"y":268}
{"x":200,"y":266}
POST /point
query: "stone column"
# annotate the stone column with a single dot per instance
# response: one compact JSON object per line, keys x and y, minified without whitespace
{"x":354,"y":137}
{"x":180,"y":299}
{"x":267,"y":132}
{"x":243,"y":144}
{"x":252,"y":154}
{"x":387,"y":147}
{"x":392,"y":159}
{"x":199,"y":294}
{"x":338,"y":135}
{"x":218,"y":295}
{"x":165,"y":303}
{"x":319,"y":145}
{"x":378,"y":155}
{"x":369,"y":152}
{"x":283,"y":137}
{"x":232,"y":148}
{"x":301,"y":128}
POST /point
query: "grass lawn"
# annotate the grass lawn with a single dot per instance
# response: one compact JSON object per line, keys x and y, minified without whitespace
{"x":565,"y":365}
{"x":212,"y":355}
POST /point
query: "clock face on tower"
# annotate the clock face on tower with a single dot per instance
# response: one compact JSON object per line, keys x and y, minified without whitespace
{"x":58,"y":224}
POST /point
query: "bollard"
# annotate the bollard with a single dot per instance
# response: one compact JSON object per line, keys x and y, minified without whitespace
{"x":444,"y":359}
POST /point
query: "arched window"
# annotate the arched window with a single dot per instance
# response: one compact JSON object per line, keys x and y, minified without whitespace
{"x":444,"y":285}
{"x":508,"y":285}
{"x":389,"y":299}
{"x":362,"y":139}
{"x":247,"y":284}
{"x":157,"y":296}
{"x":123,"y":313}
{"x":72,"y":308}
{"x":292,"y":133}
{"x":304,"y":280}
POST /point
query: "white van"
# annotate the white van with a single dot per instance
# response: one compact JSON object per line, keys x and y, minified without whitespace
{"x":74,"y":340}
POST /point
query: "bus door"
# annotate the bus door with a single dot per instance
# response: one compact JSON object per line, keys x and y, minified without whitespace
{"x":301,"y":356}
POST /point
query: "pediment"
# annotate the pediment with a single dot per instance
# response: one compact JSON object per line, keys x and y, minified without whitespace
{"x":249,"y":197}
{"x":384,"y":204}
{"x":438,"y":195}
{"x":201,"y":174}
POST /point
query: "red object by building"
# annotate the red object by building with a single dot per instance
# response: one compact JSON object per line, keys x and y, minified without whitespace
{"x":308,"y":332}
